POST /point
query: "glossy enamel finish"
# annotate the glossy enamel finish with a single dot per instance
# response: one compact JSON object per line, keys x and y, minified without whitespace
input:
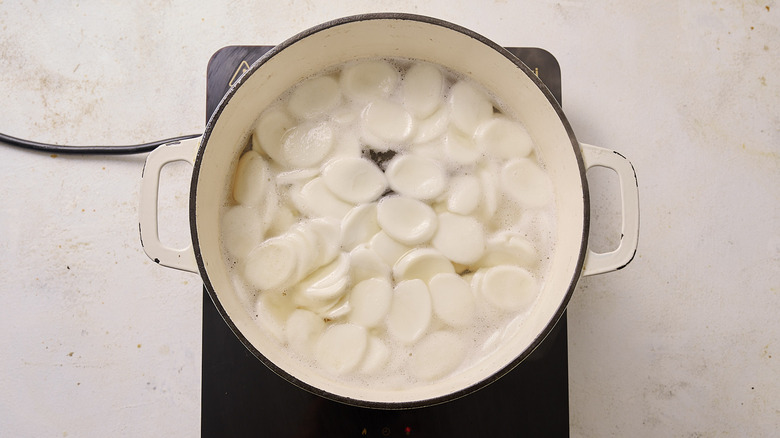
{"x":393,"y":35}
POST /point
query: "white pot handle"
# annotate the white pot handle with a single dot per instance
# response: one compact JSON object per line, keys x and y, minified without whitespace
{"x":598,"y":263}
{"x":184,"y":258}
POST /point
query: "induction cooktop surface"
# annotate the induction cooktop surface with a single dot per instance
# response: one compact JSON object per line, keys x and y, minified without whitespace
{"x":241,"y":397}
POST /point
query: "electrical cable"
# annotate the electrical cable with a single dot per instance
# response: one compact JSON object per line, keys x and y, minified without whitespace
{"x":90,"y":150}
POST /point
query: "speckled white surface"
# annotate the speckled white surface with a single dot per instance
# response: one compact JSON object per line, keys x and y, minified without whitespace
{"x":96,"y":340}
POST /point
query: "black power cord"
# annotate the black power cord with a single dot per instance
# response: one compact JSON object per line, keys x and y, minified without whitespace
{"x":90,"y":150}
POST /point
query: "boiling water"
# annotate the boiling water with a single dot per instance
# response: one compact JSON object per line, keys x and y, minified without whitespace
{"x":388,"y":223}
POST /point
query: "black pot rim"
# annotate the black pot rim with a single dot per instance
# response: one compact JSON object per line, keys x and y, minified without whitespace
{"x":367,"y":403}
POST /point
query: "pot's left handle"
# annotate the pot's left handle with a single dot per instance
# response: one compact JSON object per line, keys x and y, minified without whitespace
{"x":183,"y":258}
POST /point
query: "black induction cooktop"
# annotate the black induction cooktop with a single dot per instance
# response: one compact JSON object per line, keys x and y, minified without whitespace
{"x":241,"y":397}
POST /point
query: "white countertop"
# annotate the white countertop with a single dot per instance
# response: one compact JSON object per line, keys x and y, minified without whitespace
{"x":97,"y":340}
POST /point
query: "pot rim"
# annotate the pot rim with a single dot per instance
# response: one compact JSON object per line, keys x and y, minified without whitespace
{"x":224,"y":102}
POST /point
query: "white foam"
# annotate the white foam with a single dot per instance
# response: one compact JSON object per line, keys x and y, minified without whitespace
{"x":335,"y":241}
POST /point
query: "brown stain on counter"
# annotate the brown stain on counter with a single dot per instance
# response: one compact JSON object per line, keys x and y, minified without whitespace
{"x":766,"y":353}
{"x":770,"y":155}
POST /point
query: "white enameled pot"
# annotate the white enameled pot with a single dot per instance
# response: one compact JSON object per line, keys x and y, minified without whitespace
{"x":214,"y":157}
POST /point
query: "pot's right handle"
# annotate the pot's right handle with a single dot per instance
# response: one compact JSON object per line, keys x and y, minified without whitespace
{"x":598,"y":263}
{"x":183,"y":258}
